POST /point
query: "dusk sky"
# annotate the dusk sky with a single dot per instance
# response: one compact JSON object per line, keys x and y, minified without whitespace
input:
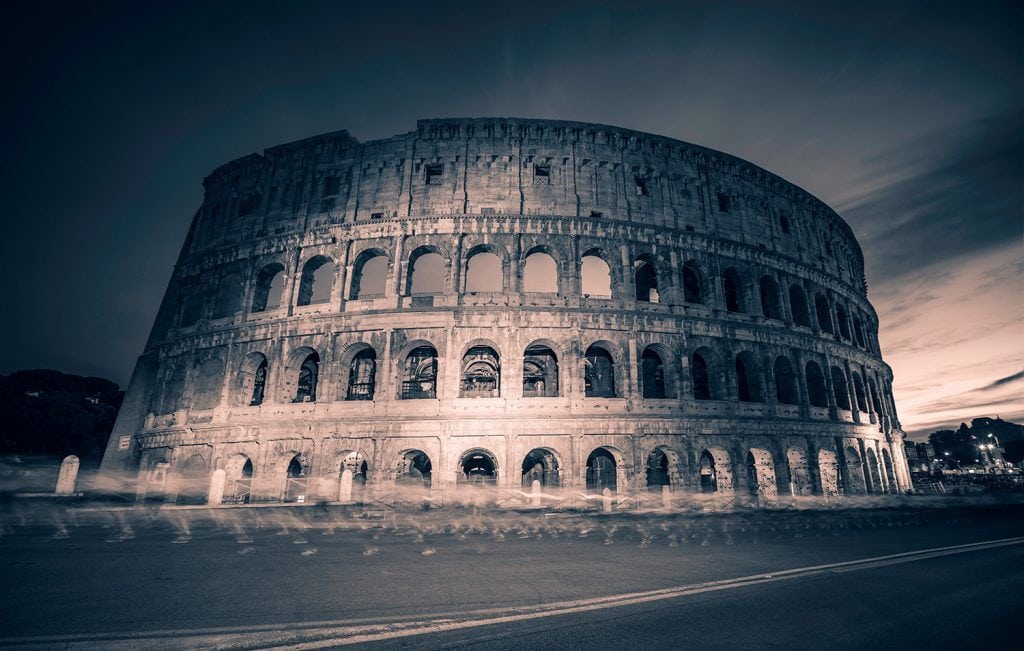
{"x":905,"y":117}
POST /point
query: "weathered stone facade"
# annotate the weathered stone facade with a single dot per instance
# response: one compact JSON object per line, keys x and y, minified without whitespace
{"x":722,"y":340}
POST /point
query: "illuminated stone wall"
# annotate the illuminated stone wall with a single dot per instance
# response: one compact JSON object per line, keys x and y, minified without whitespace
{"x":707,"y":257}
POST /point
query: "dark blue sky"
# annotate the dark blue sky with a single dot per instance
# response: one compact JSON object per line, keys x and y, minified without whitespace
{"x":906,"y":117}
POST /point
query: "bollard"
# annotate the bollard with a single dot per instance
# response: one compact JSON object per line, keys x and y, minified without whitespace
{"x":535,"y":489}
{"x":67,"y":475}
{"x":216,"y":494}
{"x":607,"y":500}
{"x":666,"y":497}
{"x":345,"y":486}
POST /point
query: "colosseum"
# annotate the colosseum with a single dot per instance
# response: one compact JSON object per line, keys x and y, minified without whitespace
{"x":508,"y":303}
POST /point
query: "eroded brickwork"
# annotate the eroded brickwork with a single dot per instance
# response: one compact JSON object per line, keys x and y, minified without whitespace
{"x":731,"y":347}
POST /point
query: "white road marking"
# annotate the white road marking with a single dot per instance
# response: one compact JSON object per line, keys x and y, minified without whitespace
{"x":343,"y":633}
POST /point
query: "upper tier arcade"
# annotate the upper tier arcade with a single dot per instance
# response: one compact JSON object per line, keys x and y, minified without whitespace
{"x":511,"y":166}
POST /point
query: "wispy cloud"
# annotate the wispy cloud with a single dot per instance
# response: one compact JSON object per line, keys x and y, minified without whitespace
{"x":1003,"y":380}
{"x":947,"y":195}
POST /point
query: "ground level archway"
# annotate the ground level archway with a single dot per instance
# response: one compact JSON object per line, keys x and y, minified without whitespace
{"x":540,"y":464}
{"x":761,"y":473}
{"x":477,"y":467}
{"x":602,"y":470}
{"x":414,"y":469}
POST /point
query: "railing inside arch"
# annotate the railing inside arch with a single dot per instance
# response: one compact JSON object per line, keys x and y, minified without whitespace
{"x":238,"y":491}
{"x":418,"y":389}
{"x":295,"y":489}
{"x":360,"y":391}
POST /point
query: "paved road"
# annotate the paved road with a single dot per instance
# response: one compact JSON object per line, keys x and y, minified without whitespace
{"x":255,"y":579}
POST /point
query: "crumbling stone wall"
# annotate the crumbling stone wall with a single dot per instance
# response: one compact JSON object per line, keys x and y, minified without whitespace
{"x":514,"y":188}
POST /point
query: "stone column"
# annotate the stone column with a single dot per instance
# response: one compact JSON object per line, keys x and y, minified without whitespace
{"x":341,"y":284}
{"x":852,"y":391}
{"x":292,"y":279}
{"x":399,"y":269}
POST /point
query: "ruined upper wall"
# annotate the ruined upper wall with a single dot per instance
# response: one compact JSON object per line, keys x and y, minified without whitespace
{"x":517,"y":166}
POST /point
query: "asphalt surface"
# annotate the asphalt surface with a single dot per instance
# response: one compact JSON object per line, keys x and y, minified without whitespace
{"x":105,"y":579}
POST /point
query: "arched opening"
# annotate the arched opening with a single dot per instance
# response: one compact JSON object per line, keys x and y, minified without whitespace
{"x":484,"y":273}
{"x":708,"y":473}
{"x":785,"y":382}
{"x":269,"y":288}
{"x":693,"y":288}
{"x":874,"y":481}
{"x":800,"y":482}
{"x":156,"y":477}
{"x":540,"y":465}
{"x":295,"y":481}
{"x":700,"y":372}
{"x":839,"y":389}
{"x":732,"y":286}
{"x":599,"y":373}
{"x":645,"y":278}
{"x":761,"y":473}
{"x":652,"y":375}
{"x":237,"y":480}
{"x":481,"y":373}
{"x":173,"y":390}
{"x":817,"y":394}
{"x":419,"y":374}
{"x":874,"y":397}
{"x":540,"y":372}
{"x":890,"y":476}
{"x":305,"y":386}
{"x":369,"y":276}
{"x":798,"y":306}
{"x":414,"y":469}
{"x":192,"y":310}
{"x":844,"y":327}
{"x":748,"y":381}
{"x":540,"y":274}
{"x":229,"y":296}
{"x":770,"y":306}
{"x":823,"y":313}
{"x":316,"y":281}
{"x":858,"y":392}
{"x":858,"y":331}
{"x":209,"y":382}
{"x":252,"y":380}
{"x":478,"y":467}
{"x":192,"y":481}
{"x":362,"y":375}
{"x":601,"y":470}
{"x":595,"y":276}
{"x":428,"y":272}
{"x":658,"y":470}
{"x":828,"y":472}
{"x":355,"y":463}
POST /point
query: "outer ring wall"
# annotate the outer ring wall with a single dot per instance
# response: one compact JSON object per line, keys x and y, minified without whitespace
{"x":174,"y":416}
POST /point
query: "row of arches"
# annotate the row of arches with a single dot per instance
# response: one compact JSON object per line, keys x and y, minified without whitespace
{"x":779,"y":380}
{"x":713,"y":375}
{"x":714,"y":470}
{"x":486,"y":271}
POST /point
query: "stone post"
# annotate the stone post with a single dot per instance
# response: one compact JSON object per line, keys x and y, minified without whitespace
{"x":67,"y":475}
{"x":345,"y":487}
{"x":535,"y":490}
{"x":216,"y":493}
{"x":606,"y":500}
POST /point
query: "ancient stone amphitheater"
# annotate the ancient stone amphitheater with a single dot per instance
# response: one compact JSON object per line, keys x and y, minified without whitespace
{"x":504,"y":301}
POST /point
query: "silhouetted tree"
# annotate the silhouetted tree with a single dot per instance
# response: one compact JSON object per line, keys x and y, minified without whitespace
{"x":46,"y":412}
